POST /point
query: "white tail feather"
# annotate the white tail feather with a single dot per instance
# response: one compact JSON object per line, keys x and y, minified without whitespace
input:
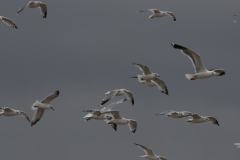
{"x":190,"y":76}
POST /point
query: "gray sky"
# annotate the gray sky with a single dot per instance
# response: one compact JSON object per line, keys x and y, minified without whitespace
{"x":86,"y":48}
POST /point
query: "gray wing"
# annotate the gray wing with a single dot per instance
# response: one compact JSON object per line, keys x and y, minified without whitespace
{"x":194,"y":57}
{"x":220,"y":71}
{"x":161,"y":85}
{"x":152,"y":10}
{"x":143,"y":68}
{"x":90,"y":110}
{"x":237,"y":144}
{"x":187,"y":113}
{"x":171,"y":15}
{"x":37,"y":116}
{"x":162,"y":158}
{"x":114,"y":126}
{"x":114,"y":114}
{"x":23,"y":7}
{"x":49,"y":98}
{"x":195,"y":116}
{"x":110,"y":106}
{"x":146,"y":150}
{"x":213,"y":120}
{"x":6,"y":109}
{"x":9,"y":22}
{"x":24,"y":115}
{"x":166,"y":112}
{"x":110,"y":94}
{"x":130,"y":96}
{"x":133,"y":125}
{"x":43,"y":9}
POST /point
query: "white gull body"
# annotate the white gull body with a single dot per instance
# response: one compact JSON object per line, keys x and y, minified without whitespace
{"x":35,"y":4}
{"x":150,"y":79}
{"x":176,"y":114}
{"x":12,"y":112}
{"x":201,"y":71}
{"x":117,"y":92}
{"x":8,"y":21}
{"x":41,"y":106}
{"x":200,"y":119}
{"x":150,"y":155}
{"x":157,"y":13}
{"x":117,"y":119}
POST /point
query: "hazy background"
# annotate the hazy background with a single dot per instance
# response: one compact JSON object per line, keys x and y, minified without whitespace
{"x":85,"y":48}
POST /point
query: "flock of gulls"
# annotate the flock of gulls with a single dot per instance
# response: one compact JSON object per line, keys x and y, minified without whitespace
{"x":113,"y":117}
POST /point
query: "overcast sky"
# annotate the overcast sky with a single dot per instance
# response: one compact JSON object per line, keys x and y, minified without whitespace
{"x":85,"y":48}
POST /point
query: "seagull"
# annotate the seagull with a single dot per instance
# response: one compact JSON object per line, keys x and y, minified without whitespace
{"x":34,"y":4}
{"x":176,"y":114}
{"x":41,"y":106}
{"x":117,"y":92}
{"x":117,"y":119}
{"x":237,"y":144}
{"x":201,"y":71}
{"x":96,"y":114}
{"x":157,"y":13}
{"x":150,"y":155}
{"x":150,"y":79}
{"x":12,"y":112}
{"x":200,"y":119}
{"x":8,"y":21}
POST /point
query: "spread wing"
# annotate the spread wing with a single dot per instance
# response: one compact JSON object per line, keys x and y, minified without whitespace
{"x":23,"y":7}
{"x":187,"y":113}
{"x":155,"y":11}
{"x":37,"y":116}
{"x":194,"y":57}
{"x":162,"y":158}
{"x":213,"y":120}
{"x":110,"y":94}
{"x":110,"y":106}
{"x":146,"y":150}
{"x":171,"y":15}
{"x":9,"y":22}
{"x":114,"y":114}
{"x":161,"y":85}
{"x":143,"y":68}
{"x":24,"y":115}
{"x":133,"y":125}
{"x":195,"y":116}
{"x":130,"y":96}
{"x":114,"y":126}
{"x":6,"y":109}
{"x":49,"y":98}
{"x":43,"y":10}
{"x":166,"y":113}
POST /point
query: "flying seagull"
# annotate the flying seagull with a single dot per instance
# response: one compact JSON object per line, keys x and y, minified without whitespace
{"x":41,"y":106}
{"x":200,"y":119}
{"x":34,"y":4}
{"x":96,"y":114}
{"x":157,"y":13}
{"x":175,"y":114}
{"x":201,"y":71}
{"x":8,"y":21}
{"x":117,"y":119}
{"x":12,"y":112}
{"x":237,"y":145}
{"x":150,"y":79}
{"x":117,"y":92}
{"x":150,"y":155}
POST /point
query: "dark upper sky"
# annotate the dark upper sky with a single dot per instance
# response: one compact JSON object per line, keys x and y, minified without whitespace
{"x":85,"y":48}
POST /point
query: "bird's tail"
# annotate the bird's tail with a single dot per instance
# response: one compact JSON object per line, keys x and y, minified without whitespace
{"x":190,"y":76}
{"x":35,"y":105}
